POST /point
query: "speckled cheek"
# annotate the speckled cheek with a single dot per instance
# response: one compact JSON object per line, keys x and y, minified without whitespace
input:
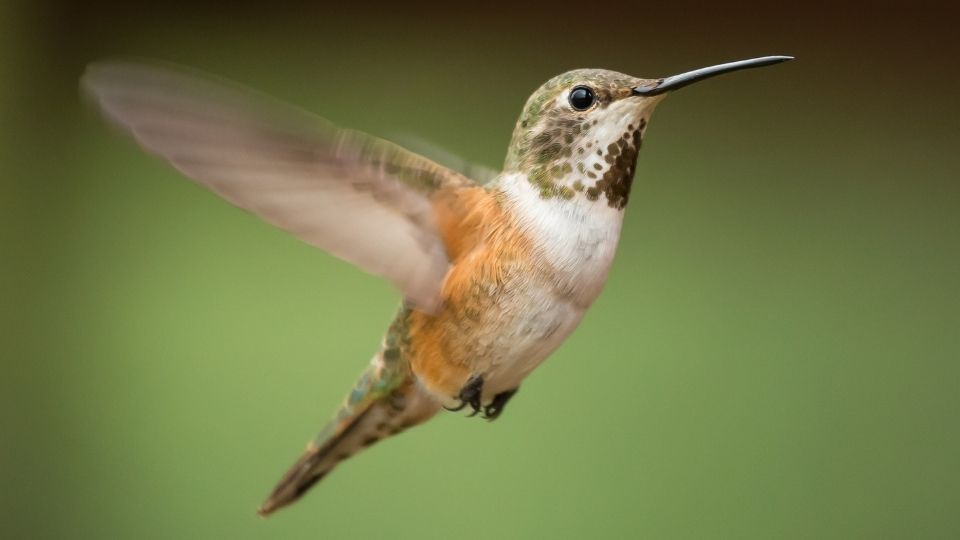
{"x":603,"y":143}
{"x":613,"y":149}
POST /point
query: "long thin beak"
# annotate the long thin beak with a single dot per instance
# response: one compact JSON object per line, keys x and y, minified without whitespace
{"x":679,"y":81}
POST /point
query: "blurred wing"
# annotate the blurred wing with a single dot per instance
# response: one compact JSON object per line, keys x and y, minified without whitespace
{"x":363,"y":199}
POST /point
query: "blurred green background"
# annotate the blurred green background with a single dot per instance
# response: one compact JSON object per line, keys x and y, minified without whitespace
{"x":775,"y":354}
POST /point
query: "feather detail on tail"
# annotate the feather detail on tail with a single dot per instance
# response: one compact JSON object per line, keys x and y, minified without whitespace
{"x":389,"y":415}
{"x":385,"y":401}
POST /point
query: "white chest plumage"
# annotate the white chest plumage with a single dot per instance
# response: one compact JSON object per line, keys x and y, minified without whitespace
{"x":577,"y":238}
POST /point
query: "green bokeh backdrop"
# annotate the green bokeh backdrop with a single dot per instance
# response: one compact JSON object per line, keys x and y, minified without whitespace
{"x":775,"y":354}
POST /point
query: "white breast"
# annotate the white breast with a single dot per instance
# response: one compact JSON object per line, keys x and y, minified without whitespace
{"x":578,"y":237}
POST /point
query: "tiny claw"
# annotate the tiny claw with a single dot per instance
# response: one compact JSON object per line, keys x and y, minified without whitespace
{"x":470,"y":395}
{"x":492,"y":411}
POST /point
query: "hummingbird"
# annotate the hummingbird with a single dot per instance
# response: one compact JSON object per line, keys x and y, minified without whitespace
{"x":494,"y":276}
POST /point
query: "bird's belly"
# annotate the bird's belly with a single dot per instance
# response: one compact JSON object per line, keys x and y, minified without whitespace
{"x":499,"y":331}
{"x":533,"y":325}
{"x":528,"y":319}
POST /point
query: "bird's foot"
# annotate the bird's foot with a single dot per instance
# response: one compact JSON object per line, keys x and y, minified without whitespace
{"x":470,"y":395}
{"x":495,"y":408}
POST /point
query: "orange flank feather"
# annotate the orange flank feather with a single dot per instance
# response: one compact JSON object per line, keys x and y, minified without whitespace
{"x":489,"y":257}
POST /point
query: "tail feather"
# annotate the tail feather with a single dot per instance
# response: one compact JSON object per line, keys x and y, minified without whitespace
{"x":359,"y":424}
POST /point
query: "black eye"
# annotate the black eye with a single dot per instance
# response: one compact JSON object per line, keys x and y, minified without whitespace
{"x":581,"y":98}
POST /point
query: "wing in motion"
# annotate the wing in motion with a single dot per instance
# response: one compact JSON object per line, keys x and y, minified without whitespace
{"x":361,"y":198}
